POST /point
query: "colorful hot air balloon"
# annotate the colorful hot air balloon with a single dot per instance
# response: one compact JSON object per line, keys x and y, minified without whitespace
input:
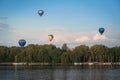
{"x":50,"y":37}
{"x":22,"y":42}
{"x":101,"y":30}
{"x":40,"y":12}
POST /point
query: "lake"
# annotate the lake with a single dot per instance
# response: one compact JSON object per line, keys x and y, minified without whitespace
{"x":60,"y":72}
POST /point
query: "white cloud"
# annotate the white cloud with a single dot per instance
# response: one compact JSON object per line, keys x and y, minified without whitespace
{"x":75,"y":38}
{"x":98,"y":37}
{"x":82,"y":39}
{"x":61,"y":36}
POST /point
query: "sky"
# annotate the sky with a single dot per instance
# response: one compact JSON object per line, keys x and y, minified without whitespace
{"x":75,"y":22}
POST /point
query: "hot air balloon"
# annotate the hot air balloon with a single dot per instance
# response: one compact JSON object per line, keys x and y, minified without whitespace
{"x":101,"y":30}
{"x":40,"y":12}
{"x":50,"y":37}
{"x":22,"y":42}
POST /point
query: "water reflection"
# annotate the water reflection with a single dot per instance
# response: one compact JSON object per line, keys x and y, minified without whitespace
{"x":59,"y":72}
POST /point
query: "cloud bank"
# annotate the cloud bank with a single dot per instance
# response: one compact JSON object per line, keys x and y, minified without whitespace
{"x":61,"y":36}
{"x":76,"y":38}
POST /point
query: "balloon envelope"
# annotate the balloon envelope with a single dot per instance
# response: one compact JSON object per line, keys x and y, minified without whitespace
{"x":22,"y":42}
{"x":101,"y":30}
{"x":50,"y":37}
{"x":40,"y":12}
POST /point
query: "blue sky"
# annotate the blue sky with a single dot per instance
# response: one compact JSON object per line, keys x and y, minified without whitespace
{"x":74,"y":22}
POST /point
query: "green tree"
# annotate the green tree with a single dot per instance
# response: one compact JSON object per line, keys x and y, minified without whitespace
{"x":65,"y":47}
{"x":81,"y":53}
{"x":12,"y":53}
{"x":65,"y":58}
{"x":115,"y":54}
{"x":55,"y":55}
{"x":3,"y":53}
{"x":99,"y":53}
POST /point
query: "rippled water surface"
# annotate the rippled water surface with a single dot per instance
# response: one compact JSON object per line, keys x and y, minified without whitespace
{"x":59,"y":72}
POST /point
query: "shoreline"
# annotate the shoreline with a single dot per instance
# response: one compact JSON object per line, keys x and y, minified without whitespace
{"x":75,"y":64}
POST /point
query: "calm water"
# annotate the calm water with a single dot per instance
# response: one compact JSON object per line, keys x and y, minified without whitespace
{"x":59,"y":72}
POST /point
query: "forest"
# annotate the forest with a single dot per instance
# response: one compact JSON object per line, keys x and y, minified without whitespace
{"x":49,"y":53}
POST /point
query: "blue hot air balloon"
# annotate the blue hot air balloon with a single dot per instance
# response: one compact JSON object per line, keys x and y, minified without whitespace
{"x":22,"y":42}
{"x":101,"y":30}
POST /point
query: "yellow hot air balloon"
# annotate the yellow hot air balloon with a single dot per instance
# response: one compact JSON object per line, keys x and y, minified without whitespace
{"x":50,"y":37}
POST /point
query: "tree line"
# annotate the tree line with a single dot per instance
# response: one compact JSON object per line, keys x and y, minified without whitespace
{"x":49,"y":53}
